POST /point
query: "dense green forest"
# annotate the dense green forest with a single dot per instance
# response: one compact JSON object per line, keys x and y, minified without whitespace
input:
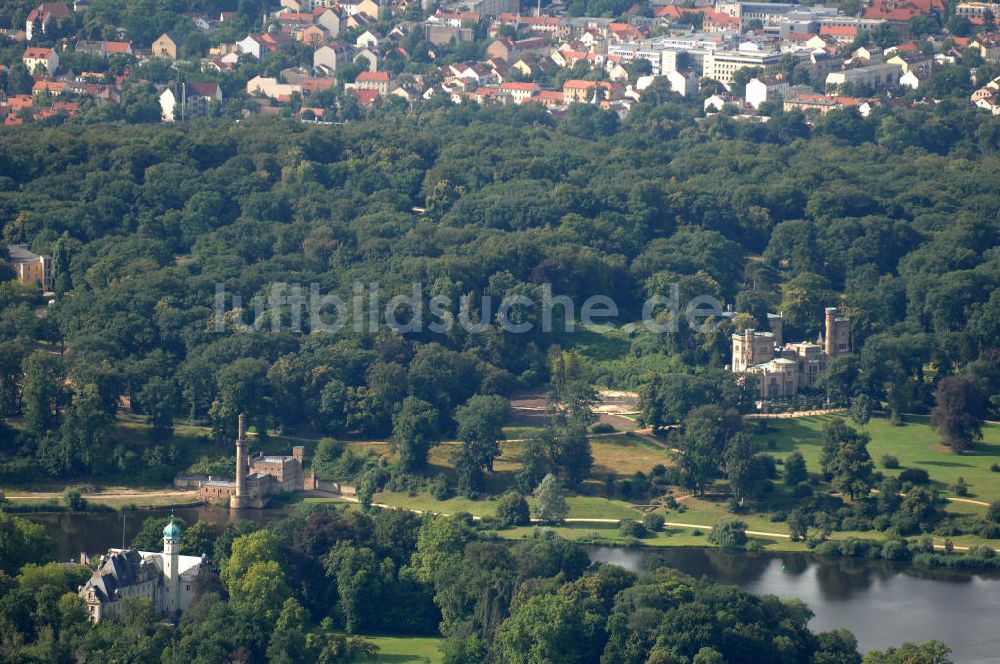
{"x":893,"y":217}
{"x":298,"y":590}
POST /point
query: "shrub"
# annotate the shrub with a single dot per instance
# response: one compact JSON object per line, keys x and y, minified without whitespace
{"x":828,"y":549}
{"x":653,"y":521}
{"x":990,"y":531}
{"x":441,"y":489}
{"x":993,"y":512}
{"x":949,"y":546}
{"x":74,"y":500}
{"x":923,"y":545}
{"x":602,"y":427}
{"x":914,"y":476}
{"x":896,"y":550}
{"x":659,"y":470}
{"x":960,"y":488}
{"x":512,"y":510}
{"x":696,"y":532}
{"x":889,"y":461}
{"x":982,"y":552}
{"x":995,"y":467}
{"x":628,"y":528}
{"x":681,"y":508}
{"x":731,"y":532}
{"x":802,"y":490}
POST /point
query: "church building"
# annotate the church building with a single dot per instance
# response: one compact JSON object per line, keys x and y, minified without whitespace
{"x":166,"y":579}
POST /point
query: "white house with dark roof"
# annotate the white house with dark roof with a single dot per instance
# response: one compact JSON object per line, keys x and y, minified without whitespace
{"x":166,"y":579}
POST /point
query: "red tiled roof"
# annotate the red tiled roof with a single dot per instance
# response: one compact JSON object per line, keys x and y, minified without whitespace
{"x":519,"y":86}
{"x":838,"y":30}
{"x":374,"y":76}
{"x":58,"y":10}
{"x":365,"y":97}
{"x":204,"y":89}
{"x":38,"y":53}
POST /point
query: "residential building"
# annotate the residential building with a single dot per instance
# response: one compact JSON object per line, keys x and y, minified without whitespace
{"x":382,"y":82}
{"x":902,"y":11}
{"x":875,"y":77}
{"x":32,"y":269}
{"x":722,"y":65}
{"x":167,"y":579}
{"x":519,"y":92}
{"x":760,"y":90}
{"x":368,"y":58}
{"x":37,"y":55}
{"x":685,"y":83}
{"x":193,"y":100}
{"x":251,"y":45}
{"x":975,"y":10}
{"x":510,"y":51}
{"x":165,"y":47}
{"x":329,"y":19}
{"x":46,"y":17}
{"x":576,"y":90}
{"x":810,"y":101}
{"x":329,"y":56}
{"x":270,"y":88}
{"x":313,"y":35}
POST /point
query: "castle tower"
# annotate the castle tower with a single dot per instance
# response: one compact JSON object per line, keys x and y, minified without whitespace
{"x":777,"y":321}
{"x":171,"y":577}
{"x":830,"y":337}
{"x":239,"y":500}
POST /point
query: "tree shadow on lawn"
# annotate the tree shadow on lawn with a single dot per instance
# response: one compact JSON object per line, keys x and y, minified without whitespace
{"x":945,"y":464}
{"x":790,"y":435}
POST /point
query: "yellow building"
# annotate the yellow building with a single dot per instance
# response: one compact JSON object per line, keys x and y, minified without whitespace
{"x":32,"y":269}
{"x":165,"y":46}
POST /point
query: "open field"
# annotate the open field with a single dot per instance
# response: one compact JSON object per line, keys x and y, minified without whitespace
{"x":914,"y":443}
{"x":581,"y":507}
{"x":405,"y":649}
{"x":110,"y":496}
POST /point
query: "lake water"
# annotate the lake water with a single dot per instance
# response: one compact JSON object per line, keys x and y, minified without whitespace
{"x":883,"y":603}
{"x":96,"y":532}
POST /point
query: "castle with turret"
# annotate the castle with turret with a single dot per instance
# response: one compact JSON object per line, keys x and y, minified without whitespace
{"x":258,"y":478}
{"x":784,"y":369}
{"x":166,"y":579}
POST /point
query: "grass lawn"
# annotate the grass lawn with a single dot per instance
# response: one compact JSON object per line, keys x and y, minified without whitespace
{"x":405,"y":649}
{"x":914,"y":443}
{"x":580,"y":507}
{"x":598,"y":343}
{"x":671,"y":536}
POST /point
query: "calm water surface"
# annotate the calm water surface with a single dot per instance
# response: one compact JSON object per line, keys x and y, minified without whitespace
{"x":883,"y":603}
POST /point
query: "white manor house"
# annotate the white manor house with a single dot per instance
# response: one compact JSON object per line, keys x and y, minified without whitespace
{"x":166,"y":579}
